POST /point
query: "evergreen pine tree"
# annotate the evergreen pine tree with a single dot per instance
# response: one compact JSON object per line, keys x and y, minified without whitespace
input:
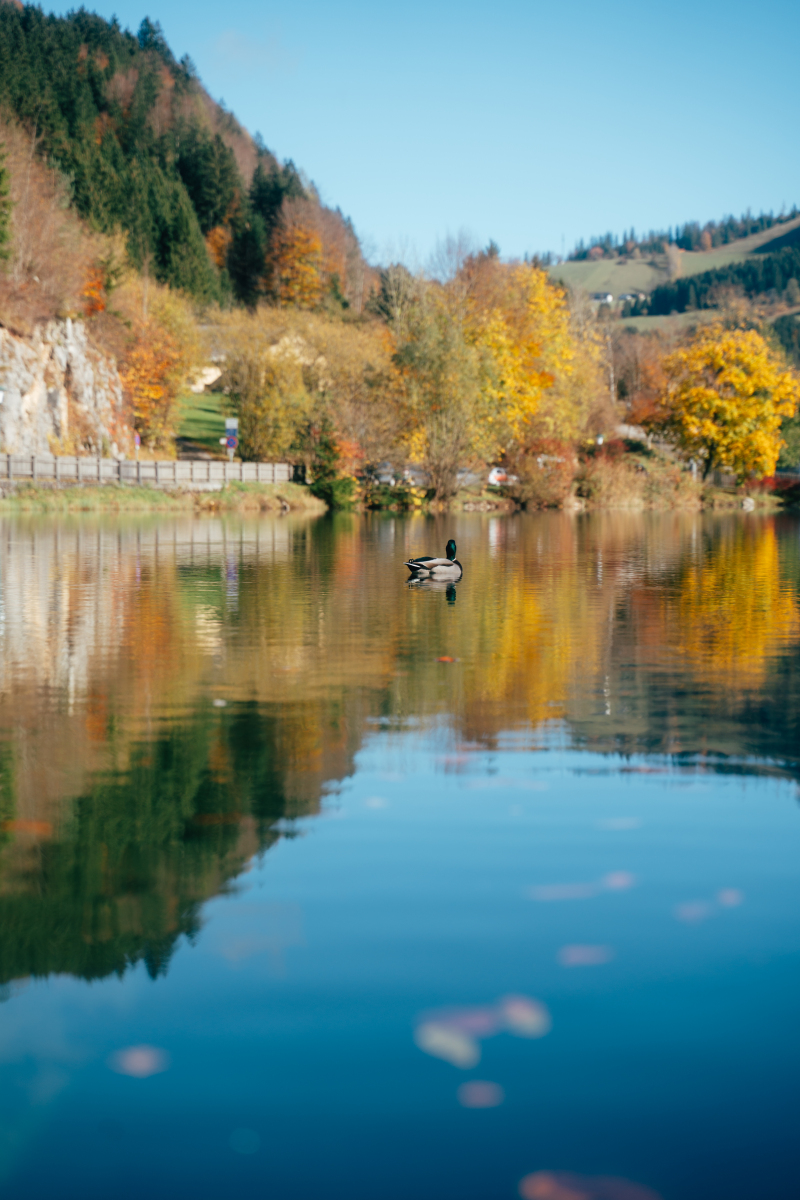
{"x":5,"y":209}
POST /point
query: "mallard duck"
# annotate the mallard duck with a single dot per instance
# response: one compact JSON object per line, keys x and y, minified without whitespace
{"x":437,"y":568}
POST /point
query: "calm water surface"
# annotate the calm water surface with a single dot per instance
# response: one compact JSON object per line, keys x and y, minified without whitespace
{"x":314,"y":884}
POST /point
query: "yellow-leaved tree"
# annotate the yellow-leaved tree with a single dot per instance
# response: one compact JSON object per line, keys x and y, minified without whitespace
{"x":478,"y":354}
{"x":525,"y":329}
{"x":727,"y":393}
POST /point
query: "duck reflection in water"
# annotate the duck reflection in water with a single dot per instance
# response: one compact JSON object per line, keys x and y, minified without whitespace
{"x":435,"y":585}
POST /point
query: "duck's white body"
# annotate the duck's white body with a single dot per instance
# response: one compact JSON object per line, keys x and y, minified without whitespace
{"x":437,"y":568}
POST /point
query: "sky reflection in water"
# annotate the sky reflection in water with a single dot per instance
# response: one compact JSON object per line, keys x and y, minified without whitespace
{"x":315,"y":884}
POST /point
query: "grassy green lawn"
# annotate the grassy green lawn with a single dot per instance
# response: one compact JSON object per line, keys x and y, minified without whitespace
{"x":202,"y":421}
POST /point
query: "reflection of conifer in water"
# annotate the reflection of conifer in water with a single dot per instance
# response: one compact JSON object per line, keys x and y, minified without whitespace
{"x":126,"y":876}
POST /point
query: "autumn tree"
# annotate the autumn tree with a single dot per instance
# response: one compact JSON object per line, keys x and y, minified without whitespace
{"x":726,"y":395}
{"x":162,"y":350}
{"x":446,"y":399}
{"x":525,"y":325}
{"x":297,"y":265}
{"x":294,"y":376}
{"x":639,"y":368}
{"x":480,"y":352}
{"x":264,"y":380}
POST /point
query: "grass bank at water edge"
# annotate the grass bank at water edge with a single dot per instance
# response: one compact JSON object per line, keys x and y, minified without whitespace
{"x":114,"y":497}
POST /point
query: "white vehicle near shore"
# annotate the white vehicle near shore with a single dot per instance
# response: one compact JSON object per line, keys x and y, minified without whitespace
{"x":498,"y":476}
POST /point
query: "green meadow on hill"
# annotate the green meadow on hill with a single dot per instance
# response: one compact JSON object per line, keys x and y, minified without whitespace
{"x":627,"y":274}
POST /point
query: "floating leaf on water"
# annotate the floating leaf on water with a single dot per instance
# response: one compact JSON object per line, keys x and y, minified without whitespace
{"x":618,"y":881}
{"x":443,"y":1041}
{"x":564,"y":1185}
{"x":479,"y":1093}
{"x":525,"y":1017}
{"x":585,"y":956}
{"x":140,"y":1062}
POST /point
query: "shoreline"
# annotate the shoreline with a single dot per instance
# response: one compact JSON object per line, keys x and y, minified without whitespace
{"x":284,"y":498}
{"x":273,"y":498}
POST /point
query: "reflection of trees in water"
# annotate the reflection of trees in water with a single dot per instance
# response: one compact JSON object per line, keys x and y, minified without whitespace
{"x":700,"y":637}
{"x":127,"y":798}
{"x":140,"y":850}
{"x":733,"y":611}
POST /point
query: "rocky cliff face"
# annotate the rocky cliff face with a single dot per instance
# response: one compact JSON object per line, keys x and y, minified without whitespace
{"x":60,"y":395}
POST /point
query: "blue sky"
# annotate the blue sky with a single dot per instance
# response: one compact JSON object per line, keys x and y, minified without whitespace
{"x":527,"y":123}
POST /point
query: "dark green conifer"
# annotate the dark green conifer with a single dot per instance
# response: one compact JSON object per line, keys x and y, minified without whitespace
{"x":5,"y":208}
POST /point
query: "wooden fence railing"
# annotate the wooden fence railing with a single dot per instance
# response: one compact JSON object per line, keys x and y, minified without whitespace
{"x":203,"y":474}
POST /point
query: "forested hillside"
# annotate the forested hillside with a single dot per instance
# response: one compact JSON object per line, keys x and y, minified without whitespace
{"x":146,"y":151}
{"x":757,"y":275}
{"x":691,"y":236}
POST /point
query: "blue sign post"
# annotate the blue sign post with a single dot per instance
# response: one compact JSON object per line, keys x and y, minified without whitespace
{"x":230,"y":441}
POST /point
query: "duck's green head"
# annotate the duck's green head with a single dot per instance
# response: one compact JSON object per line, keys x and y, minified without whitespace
{"x":451,"y":549}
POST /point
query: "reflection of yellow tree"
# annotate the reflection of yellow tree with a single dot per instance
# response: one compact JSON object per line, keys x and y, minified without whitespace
{"x":539,"y":641}
{"x":733,"y":610}
{"x":135,"y":643}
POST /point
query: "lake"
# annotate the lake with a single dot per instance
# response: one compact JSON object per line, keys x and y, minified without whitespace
{"x":317,"y":884}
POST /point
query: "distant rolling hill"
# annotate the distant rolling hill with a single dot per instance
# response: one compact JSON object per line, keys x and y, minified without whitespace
{"x":619,"y":275}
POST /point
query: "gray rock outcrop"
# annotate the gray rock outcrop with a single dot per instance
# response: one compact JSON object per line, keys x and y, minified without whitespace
{"x":61,"y":395}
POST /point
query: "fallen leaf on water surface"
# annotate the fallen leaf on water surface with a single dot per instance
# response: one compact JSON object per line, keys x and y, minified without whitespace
{"x":479,"y":1093}
{"x":140,"y":1062}
{"x":618,"y":881}
{"x":446,"y":658}
{"x":564,"y":1185}
{"x":584,"y":956}
{"x":442,"y":1041}
{"x":525,"y":1017}
{"x":454,"y":1033}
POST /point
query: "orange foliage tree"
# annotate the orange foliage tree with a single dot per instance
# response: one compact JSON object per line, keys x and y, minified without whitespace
{"x":93,"y":293}
{"x":218,"y":241}
{"x":149,"y":377}
{"x":297,"y":266}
